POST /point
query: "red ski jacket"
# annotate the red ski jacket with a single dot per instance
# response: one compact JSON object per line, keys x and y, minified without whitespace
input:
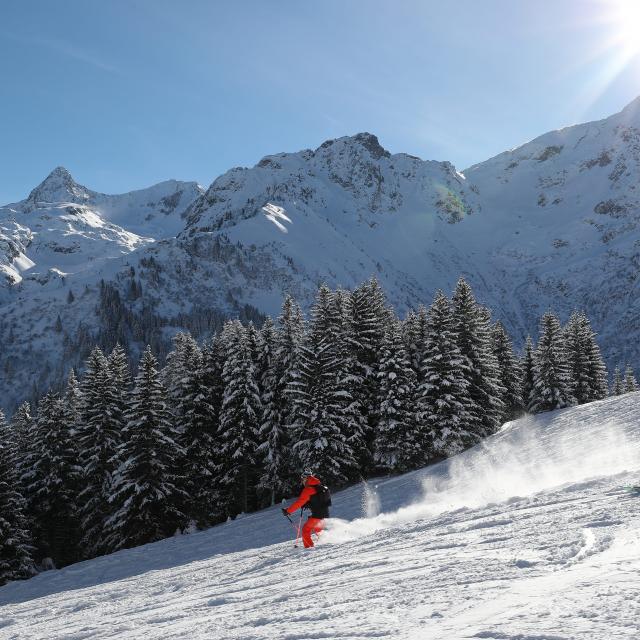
{"x":308,"y":491}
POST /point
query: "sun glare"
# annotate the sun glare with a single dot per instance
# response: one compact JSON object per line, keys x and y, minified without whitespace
{"x":625,"y":18}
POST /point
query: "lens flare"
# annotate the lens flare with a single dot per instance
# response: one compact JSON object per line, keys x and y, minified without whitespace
{"x":624,"y":18}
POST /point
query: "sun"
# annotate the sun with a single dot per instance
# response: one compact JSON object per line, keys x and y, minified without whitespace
{"x":624,"y":19}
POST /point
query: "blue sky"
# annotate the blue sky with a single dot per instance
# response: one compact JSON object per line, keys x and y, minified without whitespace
{"x":126,"y":93}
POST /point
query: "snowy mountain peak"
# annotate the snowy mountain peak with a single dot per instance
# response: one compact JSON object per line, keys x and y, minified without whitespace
{"x":365,"y":140}
{"x":58,"y":186}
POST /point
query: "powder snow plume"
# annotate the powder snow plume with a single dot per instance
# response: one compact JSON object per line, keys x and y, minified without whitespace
{"x":526,"y":457}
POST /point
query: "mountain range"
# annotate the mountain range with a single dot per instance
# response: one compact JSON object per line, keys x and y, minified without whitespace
{"x":551,"y":224}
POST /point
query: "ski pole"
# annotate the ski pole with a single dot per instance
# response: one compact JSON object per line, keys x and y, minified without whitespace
{"x":298,"y":531}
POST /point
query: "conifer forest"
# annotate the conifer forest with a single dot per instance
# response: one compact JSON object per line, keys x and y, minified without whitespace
{"x":114,"y":460}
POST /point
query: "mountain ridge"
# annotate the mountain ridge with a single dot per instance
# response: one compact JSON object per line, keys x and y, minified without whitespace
{"x":550,"y":224}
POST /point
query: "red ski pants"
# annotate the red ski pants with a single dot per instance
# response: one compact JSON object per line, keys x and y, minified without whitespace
{"x":312,"y":525}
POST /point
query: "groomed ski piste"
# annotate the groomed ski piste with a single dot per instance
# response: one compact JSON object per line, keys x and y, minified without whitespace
{"x":529,"y":536}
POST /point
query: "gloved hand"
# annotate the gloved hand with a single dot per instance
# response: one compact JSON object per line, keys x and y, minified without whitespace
{"x":285,"y":513}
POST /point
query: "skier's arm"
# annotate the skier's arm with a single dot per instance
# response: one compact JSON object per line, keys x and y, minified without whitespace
{"x":307,"y":492}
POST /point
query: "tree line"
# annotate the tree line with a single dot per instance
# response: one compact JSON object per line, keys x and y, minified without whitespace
{"x":226,"y":425}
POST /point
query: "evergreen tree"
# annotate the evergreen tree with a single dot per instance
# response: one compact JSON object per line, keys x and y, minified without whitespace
{"x":121,"y":379}
{"x":552,"y":380}
{"x":618,"y":386}
{"x":72,"y":401}
{"x":528,"y":373}
{"x":15,"y":539}
{"x":398,"y":445}
{"x":630,"y":384}
{"x":177,"y":374}
{"x":198,"y":411}
{"x":146,"y":497}
{"x":509,"y":371}
{"x":351,"y":413}
{"x":201,"y":440}
{"x":99,"y":439}
{"x":473,"y":337}
{"x":369,"y":320}
{"x":239,"y":423}
{"x":587,"y":371}
{"x":276,"y":431}
{"x":598,"y":375}
{"x":254,"y":341}
{"x":21,"y":429}
{"x":444,"y":403}
{"x":274,"y":447}
{"x":52,"y":479}
{"x":415,"y":338}
{"x":320,"y":426}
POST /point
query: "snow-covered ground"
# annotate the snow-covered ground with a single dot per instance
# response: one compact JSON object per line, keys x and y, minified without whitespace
{"x":529,"y":536}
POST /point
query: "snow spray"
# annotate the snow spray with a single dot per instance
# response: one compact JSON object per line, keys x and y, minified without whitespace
{"x":530,"y":455}
{"x":370,"y":501}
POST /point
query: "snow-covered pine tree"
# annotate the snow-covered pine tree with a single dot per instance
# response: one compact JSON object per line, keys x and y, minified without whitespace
{"x":415,"y":336}
{"x":279,"y":474}
{"x":598,"y":374}
{"x":630,"y":384}
{"x":398,"y":445}
{"x":121,"y":379}
{"x":473,"y":337}
{"x":239,"y":424}
{"x":527,"y":372}
{"x":369,"y":320}
{"x":510,"y":372}
{"x":213,"y":358}
{"x":146,"y":499}
{"x":21,"y":428}
{"x":273,"y":448}
{"x":443,"y":400}
{"x":197,"y":412}
{"x":99,"y":436}
{"x":552,"y":380}
{"x":577,"y":359}
{"x":182,"y":360}
{"x":618,"y":386}
{"x":72,"y":400}
{"x":254,"y":340}
{"x":52,"y":479}
{"x":319,"y":434}
{"x":587,"y":371}
{"x":353,"y":418}
{"x":15,"y":538}
{"x":201,"y":439}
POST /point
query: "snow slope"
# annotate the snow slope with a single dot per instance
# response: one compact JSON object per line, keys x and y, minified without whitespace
{"x":529,"y":536}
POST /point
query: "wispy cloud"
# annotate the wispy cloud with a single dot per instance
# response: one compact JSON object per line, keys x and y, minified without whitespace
{"x":65,"y":48}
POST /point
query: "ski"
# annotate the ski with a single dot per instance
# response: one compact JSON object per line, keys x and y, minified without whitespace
{"x":632,"y":488}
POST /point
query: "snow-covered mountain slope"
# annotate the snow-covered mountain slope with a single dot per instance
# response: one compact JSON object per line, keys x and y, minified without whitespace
{"x":549,"y":225}
{"x":64,"y":239}
{"x":552,"y":224}
{"x":530,"y":535}
{"x":560,"y":226}
{"x":349,"y":210}
{"x":63,"y":227}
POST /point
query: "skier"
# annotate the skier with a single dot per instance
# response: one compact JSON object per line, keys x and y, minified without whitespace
{"x":316,"y":497}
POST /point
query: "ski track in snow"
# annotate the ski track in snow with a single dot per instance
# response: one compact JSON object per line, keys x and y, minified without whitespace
{"x":478,"y":556}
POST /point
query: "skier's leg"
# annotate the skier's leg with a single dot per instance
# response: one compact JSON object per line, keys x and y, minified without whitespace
{"x":306,"y":532}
